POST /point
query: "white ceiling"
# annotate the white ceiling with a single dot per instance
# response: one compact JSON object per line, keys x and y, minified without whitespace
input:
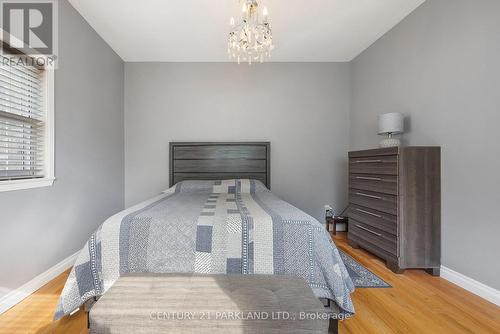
{"x":196,"y":30}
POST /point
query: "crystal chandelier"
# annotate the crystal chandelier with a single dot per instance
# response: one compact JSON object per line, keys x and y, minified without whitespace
{"x":251,"y":39}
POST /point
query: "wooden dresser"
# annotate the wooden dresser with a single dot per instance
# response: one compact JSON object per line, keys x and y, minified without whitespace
{"x":395,"y":205}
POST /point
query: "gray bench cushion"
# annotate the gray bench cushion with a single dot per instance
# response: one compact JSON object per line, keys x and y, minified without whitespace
{"x":164,"y":303}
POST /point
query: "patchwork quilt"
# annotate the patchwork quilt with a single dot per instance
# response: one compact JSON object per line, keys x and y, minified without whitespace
{"x":209,"y":227}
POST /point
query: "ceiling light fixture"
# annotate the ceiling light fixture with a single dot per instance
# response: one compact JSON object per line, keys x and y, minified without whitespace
{"x":251,"y":39}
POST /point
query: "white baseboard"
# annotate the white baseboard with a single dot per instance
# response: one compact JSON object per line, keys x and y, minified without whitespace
{"x":469,"y":284}
{"x":16,"y":296}
{"x":339,"y":228}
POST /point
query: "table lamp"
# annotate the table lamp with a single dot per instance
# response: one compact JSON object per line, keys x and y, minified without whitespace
{"x":389,"y":125}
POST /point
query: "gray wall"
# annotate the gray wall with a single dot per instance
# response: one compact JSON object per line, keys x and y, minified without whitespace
{"x":441,"y":67}
{"x":303,"y":109}
{"x":41,"y":227}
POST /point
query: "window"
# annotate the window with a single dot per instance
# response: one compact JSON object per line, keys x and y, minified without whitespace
{"x":26,"y":126}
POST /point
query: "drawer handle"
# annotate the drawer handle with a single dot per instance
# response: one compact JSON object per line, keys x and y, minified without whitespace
{"x":369,"y":213}
{"x":367,"y":161}
{"x":370,"y":196}
{"x":368,"y":230}
{"x":369,"y":178}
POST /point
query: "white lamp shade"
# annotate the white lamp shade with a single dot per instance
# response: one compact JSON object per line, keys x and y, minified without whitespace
{"x":391,"y":123}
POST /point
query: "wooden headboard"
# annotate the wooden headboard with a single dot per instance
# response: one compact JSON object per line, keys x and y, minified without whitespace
{"x":220,"y":161}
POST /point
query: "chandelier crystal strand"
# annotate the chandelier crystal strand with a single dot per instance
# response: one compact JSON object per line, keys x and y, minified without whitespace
{"x":251,"y":39}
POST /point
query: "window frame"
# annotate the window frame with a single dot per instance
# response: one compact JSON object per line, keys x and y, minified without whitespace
{"x":49,"y":149}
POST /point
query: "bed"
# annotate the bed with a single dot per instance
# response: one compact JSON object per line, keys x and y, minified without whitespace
{"x":218,"y":217}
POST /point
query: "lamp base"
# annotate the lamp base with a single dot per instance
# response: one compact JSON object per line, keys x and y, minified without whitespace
{"x":390,"y":142}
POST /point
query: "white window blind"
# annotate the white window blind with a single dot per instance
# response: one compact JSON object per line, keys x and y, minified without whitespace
{"x":22,"y":122}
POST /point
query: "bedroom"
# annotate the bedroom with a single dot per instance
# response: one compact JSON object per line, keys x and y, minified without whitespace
{"x":118,"y":98}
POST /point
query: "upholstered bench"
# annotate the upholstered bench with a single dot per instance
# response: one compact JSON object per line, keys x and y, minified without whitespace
{"x":171,"y":303}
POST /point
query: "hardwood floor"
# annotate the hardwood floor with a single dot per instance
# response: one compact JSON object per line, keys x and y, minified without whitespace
{"x":416,"y":303}
{"x":34,"y":314}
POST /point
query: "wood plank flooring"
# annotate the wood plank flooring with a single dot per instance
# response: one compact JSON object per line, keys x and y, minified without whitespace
{"x":416,"y":303}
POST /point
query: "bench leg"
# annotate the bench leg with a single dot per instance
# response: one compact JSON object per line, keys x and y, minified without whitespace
{"x":333,"y":327}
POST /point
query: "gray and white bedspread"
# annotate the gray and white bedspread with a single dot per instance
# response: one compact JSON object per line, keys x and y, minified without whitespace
{"x":230,"y":226}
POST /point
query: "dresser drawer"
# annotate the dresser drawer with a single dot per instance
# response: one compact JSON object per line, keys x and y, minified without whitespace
{"x":377,"y":219}
{"x":385,"y":241}
{"x":374,"y":200}
{"x":387,"y":184}
{"x":384,"y":165}
{"x":372,"y":248}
